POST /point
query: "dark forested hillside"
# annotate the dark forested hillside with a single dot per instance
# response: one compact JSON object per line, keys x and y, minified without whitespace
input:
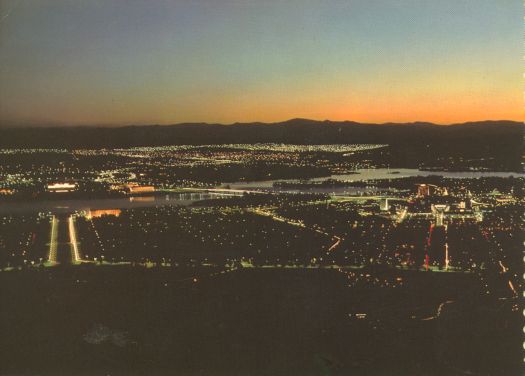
{"x":498,"y":140}
{"x":301,"y":131}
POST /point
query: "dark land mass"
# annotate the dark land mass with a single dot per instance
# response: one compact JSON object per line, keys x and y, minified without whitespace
{"x":500,"y":142}
{"x":250,"y":322}
{"x":295,"y":131}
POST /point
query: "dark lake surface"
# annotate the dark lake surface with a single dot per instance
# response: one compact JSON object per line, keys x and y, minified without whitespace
{"x":184,"y":199}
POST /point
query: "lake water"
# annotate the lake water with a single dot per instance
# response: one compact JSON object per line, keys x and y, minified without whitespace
{"x":184,"y":199}
{"x":71,"y":205}
{"x":378,"y":174}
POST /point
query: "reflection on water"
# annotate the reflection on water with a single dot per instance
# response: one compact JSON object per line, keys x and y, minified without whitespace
{"x":379,"y":173}
{"x":71,"y":205}
{"x":142,"y":199}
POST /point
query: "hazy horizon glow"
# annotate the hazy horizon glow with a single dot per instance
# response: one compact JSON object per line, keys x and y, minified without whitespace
{"x":162,"y":62}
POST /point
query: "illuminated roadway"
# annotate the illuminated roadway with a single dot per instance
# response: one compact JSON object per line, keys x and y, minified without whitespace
{"x":73,"y":240}
{"x":439,"y":311}
{"x":53,"y":241}
{"x":64,"y":251}
{"x":504,"y":270}
{"x":337,"y":241}
{"x":55,"y":244}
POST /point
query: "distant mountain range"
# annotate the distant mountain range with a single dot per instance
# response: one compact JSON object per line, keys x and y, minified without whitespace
{"x":296,"y":131}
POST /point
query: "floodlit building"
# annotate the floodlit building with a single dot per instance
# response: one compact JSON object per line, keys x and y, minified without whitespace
{"x":99,"y":213}
{"x":139,"y":189}
{"x":61,"y":187}
{"x":426,"y":190}
{"x":439,"y":213}
{"x":423,"y":190}
{"x":384,"y":205}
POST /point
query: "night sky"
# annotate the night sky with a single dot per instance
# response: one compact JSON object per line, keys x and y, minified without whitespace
{"x":145,"y":62}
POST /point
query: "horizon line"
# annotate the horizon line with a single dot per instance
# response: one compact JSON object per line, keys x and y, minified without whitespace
{"x":49,"y":125}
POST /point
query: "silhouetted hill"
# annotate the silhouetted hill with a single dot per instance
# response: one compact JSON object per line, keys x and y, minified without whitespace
{"x":297,"y":131}
{"x":497,"y":145}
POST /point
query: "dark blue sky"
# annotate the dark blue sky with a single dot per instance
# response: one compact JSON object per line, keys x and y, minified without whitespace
{"x":124,"y":62}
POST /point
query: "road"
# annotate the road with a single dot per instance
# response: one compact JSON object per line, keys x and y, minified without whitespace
{"x":73,"y":240}
{"x":438,"y":311}
{"x":52,"y":258}
{"x":336,"y":239}
{"x":249,"y":265}
{"x":63,"y":244}
{"x":64,"y":249}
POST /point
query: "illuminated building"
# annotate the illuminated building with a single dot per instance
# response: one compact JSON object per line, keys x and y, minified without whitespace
{"x":99,"y":213}
{"x":61,"y":187}
{"x":117,"y":187}
{"x":424,"y":190}
{"x":384,"y":205}
{"x":139,"y":189}
{"x":439,"y":213}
